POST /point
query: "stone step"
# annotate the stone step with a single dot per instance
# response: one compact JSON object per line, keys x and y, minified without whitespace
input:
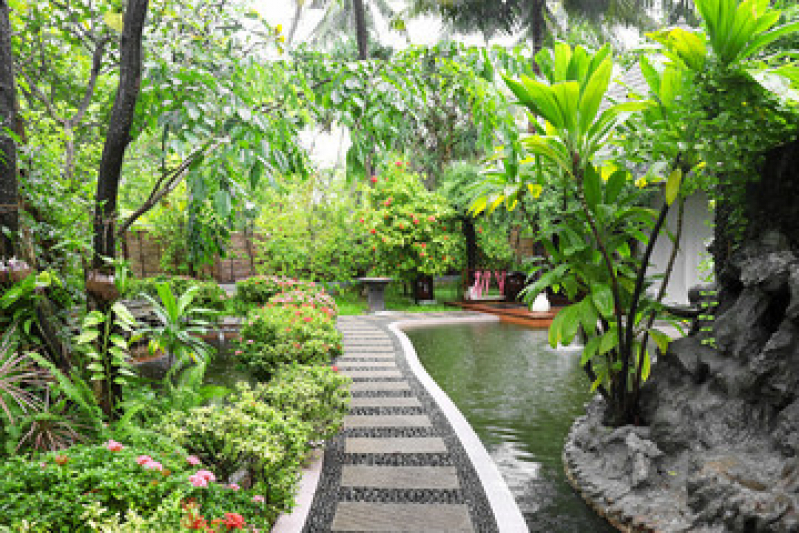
{"x":394,"y":445}
{"x":360,"y":516}
{"x":369,"y":374}
{"x":384,"y":401}
{"x":367,"y":349}
{"x":360,"y":364}
{"x":360,"y":386}
{"x":356,"y":357}
{"x":386,"y":421}
{"x":400,"y":477}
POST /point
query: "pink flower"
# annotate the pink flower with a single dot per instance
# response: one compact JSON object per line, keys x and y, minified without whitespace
{"x":114,"y":446}
{"x":307,"y":318}
{"x":193,"y":460}
{"x":207,"y":475}
{"x":238,"y":352}
{"x":258,"y":499}
{"x":198,"y":481}
{"x":374,"y":179}
{"x":431,"y":218}
{"x":334,"y":368}
{"x":144,"y":459}
{"x":233,"y":486}
{"x":153,"y":465}
{"x":398,"y":163}
{"x":250,"y":341}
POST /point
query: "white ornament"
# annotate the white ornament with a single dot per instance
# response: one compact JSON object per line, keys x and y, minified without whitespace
{"x":540,"y":304}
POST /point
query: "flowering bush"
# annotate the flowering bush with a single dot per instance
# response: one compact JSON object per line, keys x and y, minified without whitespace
{"x":260,"y":289}
{"x":322,"y":300}
{"x":112,"y":483}
{"x":278,"y":334}
{"x":410,"y":230}
{"x":316,"y":394}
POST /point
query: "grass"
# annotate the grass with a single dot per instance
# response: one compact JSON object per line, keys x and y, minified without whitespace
{"x":352,"y":301}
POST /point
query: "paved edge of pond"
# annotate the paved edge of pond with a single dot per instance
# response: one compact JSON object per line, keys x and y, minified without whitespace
{"x":361,"y":487}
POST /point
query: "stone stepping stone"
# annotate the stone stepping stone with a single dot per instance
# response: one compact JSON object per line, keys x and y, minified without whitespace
{"x":367,"y":374}
{"x":361,"y":386}
{"x":386,"y":421}
{"x":394,"y":445}
{"x":360,"y":364}
{"x":400,"y":477}
{"x":385,"y":401}
{"x":367,"y":349}
{"x":362,"y":356}
{"x":439,"y":517}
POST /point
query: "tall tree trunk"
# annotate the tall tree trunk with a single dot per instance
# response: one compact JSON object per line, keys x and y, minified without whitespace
{"x":118,"y":135}
{"x":538,"y":27}
{"x":360,"y":29}
{"x":116,"y":142}
{"x":9,"y":191}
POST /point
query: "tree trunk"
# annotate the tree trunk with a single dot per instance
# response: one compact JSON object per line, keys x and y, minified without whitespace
{"x":538,"y":27}
{"x":360,"y":29}
{"x":118,"y":135}
{"x":9,"y":191}
{"x":116,"y":142}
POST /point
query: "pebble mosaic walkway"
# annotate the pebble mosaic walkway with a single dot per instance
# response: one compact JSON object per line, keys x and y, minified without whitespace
{"x":397,"y":464}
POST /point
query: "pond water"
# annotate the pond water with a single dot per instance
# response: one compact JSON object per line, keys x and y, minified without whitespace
{"x":521,"y":398}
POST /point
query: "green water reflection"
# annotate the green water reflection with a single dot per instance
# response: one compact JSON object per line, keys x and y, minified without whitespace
{"x":521,"y":398}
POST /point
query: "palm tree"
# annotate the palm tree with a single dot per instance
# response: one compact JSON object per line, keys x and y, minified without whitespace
{"x":343,"y":16}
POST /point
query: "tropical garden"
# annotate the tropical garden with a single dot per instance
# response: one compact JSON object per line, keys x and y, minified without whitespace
{"x":190,"y":121}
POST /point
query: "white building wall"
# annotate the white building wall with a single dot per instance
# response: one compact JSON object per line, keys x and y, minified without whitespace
{"x":696,"y":235}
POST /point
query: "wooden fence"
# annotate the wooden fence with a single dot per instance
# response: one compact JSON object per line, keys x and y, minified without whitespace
{"x":145,"y":253}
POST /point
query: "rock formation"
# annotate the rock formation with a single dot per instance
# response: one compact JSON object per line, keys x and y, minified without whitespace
{"x":720,"y":449}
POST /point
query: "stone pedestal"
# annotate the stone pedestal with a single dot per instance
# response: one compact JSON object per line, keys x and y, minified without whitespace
{"x":375,"y":292}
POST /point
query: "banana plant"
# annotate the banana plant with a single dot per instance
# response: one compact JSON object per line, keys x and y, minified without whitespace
{"x":181,"y":325}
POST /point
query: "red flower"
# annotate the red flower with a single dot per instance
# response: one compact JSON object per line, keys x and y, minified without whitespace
{"x":374,"y":179}
{"x":401,"y":226}
{"x":233,"y":521}
{"x":334,"y":368}
{"x":361,"y":220}
{"x":415,"y":220}
{"x":421,"y":254}
{"x":61,"y":460}
{"x":431,"y":218}
{"x":372,"y":231}
{"x":399,"y":164}
{"x":423,"y":245}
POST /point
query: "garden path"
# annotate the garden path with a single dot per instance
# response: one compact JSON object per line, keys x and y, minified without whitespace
{"x":397,"y":464}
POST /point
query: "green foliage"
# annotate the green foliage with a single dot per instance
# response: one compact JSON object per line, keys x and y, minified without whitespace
{"x":278,"y":334}
{"x":245,"y":434}
{"x":181,"y":325}
{"x":411,"y":230}
{"x":103,"y":343}
{"x":53,"y":492}
{"x":207,"y":294}
{"x":308,"y":229}
{"x":316,"y":394}
{"x":19,"y":304}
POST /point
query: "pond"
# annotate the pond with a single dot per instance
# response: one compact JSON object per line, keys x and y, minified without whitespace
{"x":521,"y":398}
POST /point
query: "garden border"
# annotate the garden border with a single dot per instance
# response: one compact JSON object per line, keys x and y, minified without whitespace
{"x":508,"y":517}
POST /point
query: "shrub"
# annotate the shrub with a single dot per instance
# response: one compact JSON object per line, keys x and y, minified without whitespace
{"x":279,"y":334}
{"x":322,"y":300}
{"x":209,"y":294}
{"x":246,"y":434}
{"x":316,"y":394}
{"x":106,"y":483}
{"x":260,"y":289}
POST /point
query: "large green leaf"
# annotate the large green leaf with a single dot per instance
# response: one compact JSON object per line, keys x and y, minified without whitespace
{"x":593,"y":93}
